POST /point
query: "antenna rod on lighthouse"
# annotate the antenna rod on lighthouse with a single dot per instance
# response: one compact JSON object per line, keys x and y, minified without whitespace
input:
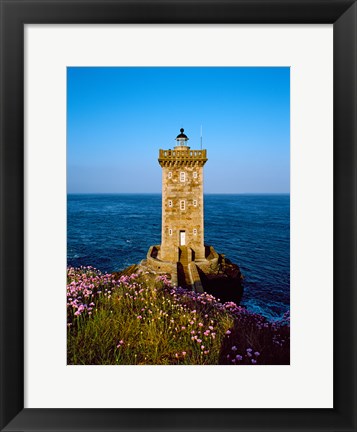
{"x":201,"y":137}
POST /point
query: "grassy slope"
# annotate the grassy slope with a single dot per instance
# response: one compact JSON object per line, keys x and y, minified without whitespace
{"x":140,"y":320}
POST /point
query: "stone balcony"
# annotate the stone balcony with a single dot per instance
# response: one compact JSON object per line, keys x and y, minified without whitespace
{"x":182,"y":157}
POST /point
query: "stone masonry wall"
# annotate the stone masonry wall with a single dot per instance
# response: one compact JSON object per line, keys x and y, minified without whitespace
{"x":182,"y":209}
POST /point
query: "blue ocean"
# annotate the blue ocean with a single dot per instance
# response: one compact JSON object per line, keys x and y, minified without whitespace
{"x":112,"y":231}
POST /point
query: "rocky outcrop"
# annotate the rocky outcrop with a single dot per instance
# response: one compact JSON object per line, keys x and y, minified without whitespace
{"x":223,"y":281}
{"x":127,"y":271}
{"x":215,"y":275}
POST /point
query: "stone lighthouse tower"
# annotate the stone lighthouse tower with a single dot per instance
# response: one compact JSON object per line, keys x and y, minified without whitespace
{"x":182,"y":253}
{"x":182,"y":234}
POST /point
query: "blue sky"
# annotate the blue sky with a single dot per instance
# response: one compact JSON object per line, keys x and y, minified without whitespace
{"x":119,"y":118}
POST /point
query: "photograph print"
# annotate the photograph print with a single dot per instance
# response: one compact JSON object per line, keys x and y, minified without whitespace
{"x":178,"y":216}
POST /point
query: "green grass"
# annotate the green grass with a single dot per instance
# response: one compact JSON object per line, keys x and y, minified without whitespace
{"x":140,"y":320}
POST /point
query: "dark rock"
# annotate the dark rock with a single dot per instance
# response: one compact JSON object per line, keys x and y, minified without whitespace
{"x":224,"y":282}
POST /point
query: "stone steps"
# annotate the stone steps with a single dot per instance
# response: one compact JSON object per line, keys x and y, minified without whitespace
{"x":184,"y":255}
{"x":195,"y":278}
{"x":187,"y":273}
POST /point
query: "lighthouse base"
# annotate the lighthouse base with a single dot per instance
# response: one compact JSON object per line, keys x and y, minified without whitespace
{"x":214,"y":274}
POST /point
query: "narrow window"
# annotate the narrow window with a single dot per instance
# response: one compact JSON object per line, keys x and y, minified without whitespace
{"x":195,"y":203}
{"x":170,"y":203}
{"x":170,"y":174}
{"x":182,"y":205}
{"x":195,"y":174}
{"x":182,"y":176}
{"x":194,"y":231}
{"x":170,"y":232}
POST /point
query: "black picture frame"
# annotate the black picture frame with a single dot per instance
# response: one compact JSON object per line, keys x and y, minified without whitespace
{"x":14,"y":15}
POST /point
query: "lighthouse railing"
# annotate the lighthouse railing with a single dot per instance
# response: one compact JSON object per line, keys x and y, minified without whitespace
{"x":182,"y":154}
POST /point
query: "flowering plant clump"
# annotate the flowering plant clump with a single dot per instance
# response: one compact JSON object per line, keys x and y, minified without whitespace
{"x":87,"y":286}
{"x":140,"y":319}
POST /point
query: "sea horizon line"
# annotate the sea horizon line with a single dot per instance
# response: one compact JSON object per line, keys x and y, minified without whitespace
{"x":159,"y":193}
